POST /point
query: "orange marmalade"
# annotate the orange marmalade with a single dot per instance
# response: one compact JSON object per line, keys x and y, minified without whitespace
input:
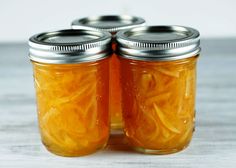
{"x":115,"y":92}
{"x":71,"y":81}
{"x":158,"y":79}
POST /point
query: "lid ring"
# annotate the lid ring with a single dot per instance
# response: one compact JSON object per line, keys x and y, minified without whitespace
{"x":69,"y":46}
{"x":158,"y":42}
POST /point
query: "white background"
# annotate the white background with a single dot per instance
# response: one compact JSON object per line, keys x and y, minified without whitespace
{"x":20,"y":19}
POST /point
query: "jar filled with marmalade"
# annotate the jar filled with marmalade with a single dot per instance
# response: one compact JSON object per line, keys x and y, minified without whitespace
{"x":158,"y":76}
{"x":112,"y":24}
{"x":71,"y":76}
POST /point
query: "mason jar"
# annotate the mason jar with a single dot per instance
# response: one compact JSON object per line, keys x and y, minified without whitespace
{"x":112,"y":24}
{"x":158,"y":78}
{"x":71,"y":76}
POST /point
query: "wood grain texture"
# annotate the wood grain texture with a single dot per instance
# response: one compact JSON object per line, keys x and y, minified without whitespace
{"x":213,"y":144}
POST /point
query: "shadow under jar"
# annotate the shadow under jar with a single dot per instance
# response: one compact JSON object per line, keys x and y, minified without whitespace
{"x":71,"y":75}
{"x":112,"y":24}
{"x":158,"y":78}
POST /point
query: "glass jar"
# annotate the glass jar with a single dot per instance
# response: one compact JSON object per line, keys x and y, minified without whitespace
{"x":112,"y":24}
{"x":158,"y":76}
{"x":71,"y":76}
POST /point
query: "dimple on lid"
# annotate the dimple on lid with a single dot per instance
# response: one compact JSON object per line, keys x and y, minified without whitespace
{"x":110,"y":23}
{"x":69,"y":46}
{"x":158,"y":43}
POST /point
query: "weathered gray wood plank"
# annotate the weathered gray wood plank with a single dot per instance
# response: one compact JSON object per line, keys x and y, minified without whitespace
{"x":213,"y":145}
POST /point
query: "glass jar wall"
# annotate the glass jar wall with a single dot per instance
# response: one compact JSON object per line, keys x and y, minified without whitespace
{"x":159,"y":104}
{"x":112,"y":24}
{"x":72,"y":103}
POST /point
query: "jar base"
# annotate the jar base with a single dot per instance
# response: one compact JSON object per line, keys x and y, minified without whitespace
{"x":75,"y":154}
{"x":159,"y":151}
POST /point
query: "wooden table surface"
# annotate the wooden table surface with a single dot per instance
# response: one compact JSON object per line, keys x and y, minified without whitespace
{"x":213,"y":144}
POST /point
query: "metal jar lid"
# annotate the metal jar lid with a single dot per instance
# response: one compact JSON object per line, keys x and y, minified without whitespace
{"x":160,"y":43}
{"x":110,"y":23}
{"x":69,"y":46}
